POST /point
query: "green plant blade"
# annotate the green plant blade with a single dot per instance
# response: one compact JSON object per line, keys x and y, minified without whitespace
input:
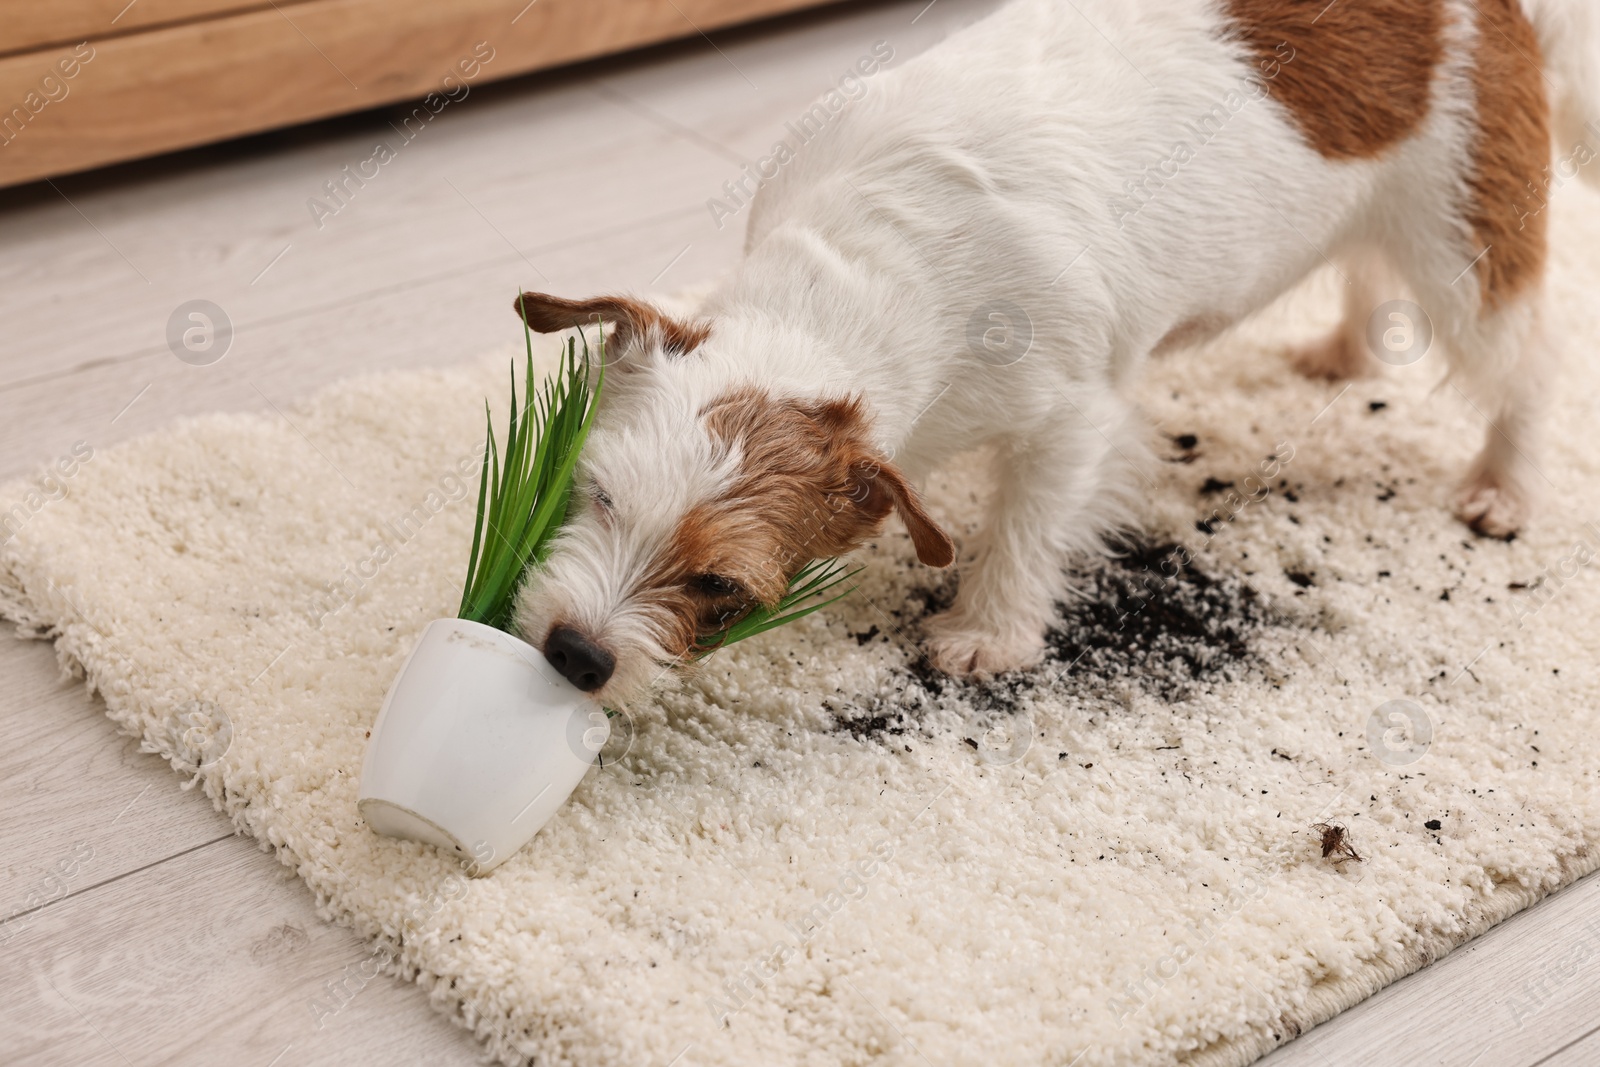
{"x":806,"y":595}
{"x":525,"y":488}
{"x":477,"y":523}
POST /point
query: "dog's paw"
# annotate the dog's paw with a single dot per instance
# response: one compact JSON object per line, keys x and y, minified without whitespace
{"x":1336,"y":358}
{"x":1492,"y":508}
{"x":965,"y":651}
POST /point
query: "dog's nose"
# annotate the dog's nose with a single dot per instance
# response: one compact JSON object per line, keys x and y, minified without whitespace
{"x":580,"y":660}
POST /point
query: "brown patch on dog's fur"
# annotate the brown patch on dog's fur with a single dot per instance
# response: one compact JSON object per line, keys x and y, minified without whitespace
{"x":1358,"y":77}
{"x":812,"y":479}
{"x":634,"y":319}
{"x":1510,"y":153}
{"x":704,"y":543}
{"x":811,"y":486}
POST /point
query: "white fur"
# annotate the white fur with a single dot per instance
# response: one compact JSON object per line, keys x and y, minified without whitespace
{"x":1569,"y":35}
{"x":997,"y":170}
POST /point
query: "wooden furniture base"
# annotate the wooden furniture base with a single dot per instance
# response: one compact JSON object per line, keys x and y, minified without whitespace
{"x":84,"y":83}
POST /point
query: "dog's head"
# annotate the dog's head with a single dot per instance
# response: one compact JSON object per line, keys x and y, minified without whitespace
{"x":699,"y":495}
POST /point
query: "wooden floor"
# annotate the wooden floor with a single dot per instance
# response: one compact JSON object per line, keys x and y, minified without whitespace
{"x":147,"y":932}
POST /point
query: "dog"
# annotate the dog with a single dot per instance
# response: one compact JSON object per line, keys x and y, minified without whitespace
{"x":988,"y":246}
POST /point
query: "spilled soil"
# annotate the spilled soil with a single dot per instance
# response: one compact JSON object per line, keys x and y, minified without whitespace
{"x":1146,"y":618}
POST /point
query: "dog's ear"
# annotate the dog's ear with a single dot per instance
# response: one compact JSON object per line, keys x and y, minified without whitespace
{"x":882,"y":487}
{"x":877,"y":486}
{"x":803,"y":461}
{"x":635,"y":320}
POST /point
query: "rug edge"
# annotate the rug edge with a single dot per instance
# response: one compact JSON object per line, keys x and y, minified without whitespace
{"x":1335,"y":998}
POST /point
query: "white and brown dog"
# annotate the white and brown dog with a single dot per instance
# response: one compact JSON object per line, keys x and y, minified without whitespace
{"x":1112,"y":177}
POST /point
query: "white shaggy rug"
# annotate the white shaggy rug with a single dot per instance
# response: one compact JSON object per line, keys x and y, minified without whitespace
{"x":815,"y":852}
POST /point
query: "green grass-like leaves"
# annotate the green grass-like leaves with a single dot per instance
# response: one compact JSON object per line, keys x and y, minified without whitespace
{"x":524,"y":493}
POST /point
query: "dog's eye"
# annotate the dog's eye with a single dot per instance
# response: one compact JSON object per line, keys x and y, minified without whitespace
{"x":601,"y":498}
{"x":716,"y":585}
{"x":716,"y":618}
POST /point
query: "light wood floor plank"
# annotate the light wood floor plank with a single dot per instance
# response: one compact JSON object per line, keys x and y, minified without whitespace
{"x":454,"y":314}
{"x":217,"y":956}
{"x":82,"y":805}
{"x":507,"y":175}
{"x":1582,"y":1052}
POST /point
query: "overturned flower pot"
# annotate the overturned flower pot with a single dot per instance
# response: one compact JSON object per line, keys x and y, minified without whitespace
{"x":477,"y":745}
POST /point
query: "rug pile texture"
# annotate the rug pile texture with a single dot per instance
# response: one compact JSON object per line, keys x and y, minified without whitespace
{"x":816,"y":851}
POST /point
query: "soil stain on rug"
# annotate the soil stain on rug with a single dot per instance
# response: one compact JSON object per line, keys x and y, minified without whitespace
{"x":1146,"y":617}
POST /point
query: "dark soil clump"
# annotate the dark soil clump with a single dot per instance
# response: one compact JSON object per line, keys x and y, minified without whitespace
{"x":1146,"y":618}
{"x":1151,"y":618}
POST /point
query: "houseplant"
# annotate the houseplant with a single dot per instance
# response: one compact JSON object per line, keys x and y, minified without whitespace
{"x":480,"y":740}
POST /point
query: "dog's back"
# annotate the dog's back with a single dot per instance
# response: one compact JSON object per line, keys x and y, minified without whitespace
{"x":1203,"y":155}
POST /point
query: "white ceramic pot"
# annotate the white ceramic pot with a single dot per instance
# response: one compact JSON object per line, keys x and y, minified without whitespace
{"x":478,"y":743}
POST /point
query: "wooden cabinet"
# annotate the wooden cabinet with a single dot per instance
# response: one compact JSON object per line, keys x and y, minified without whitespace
{"x":89,"y":82}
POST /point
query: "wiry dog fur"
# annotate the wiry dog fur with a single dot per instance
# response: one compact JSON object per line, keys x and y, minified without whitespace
{"x":1082,"y":205}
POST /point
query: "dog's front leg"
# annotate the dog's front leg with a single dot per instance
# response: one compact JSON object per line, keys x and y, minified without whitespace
{"x":1057,"y":494}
